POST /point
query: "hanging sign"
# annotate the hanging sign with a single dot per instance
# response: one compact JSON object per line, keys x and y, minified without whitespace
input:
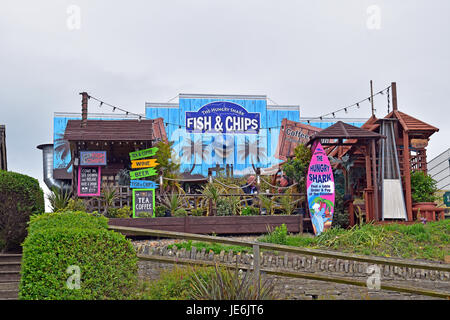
{"x":143,"y":173}
{"x":89,"y":181}
{"x":291,"y":135}
{"x":146,"y":163}
{"x":143,"y":184}
{"x":92,"y":158}
{"x":320,"y":190}
{"x":222,"y":117}
{"x":143,"y":153}
{"x":419,"y":143}
{"x":143,"y":203}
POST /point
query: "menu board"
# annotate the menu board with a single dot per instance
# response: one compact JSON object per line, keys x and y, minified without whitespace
{"x":88,"y":181}
{"x":143,"y":203}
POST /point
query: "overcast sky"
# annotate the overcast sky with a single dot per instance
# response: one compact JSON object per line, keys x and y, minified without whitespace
{"x":318,"y":54}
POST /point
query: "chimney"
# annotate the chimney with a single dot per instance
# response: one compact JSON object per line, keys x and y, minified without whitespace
{"x":394,"y":96}
{"x":84,"y":109}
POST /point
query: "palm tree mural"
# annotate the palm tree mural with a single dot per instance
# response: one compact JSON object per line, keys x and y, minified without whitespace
{"x":223,"y":146}
{"x":252,"y":150}
{"x":195,"y":149}
{"x":62,"y":149}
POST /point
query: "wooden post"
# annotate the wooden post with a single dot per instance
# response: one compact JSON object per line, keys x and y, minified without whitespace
{"x":407,"y":175}
{"x":394,"y":96}
{"x":375,"y":182}
{"x":257,"y":268}
{"x":301,"y":223}
{"x":369,"y":209}
{"x":84,"y":108}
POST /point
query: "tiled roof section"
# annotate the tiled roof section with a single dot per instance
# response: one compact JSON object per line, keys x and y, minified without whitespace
{"x":341,"y":130}
{"x":109,"y":130}
{"x":410,"y":123}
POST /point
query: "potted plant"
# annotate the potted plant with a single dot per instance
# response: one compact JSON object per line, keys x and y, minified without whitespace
{"x":423,"y":191}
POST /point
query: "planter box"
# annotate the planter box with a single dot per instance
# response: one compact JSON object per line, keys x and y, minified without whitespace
{"x":217,"y":225}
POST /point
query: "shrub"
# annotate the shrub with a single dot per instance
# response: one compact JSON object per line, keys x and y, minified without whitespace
{"x":175,"y":284}
{"x":107,"y":260}
{"x":75,"y":205}
{"x":249,"y":211}
{"x":124,"y":212}
{"x":223,"y":208}
{"x":278,"y":235}
{"x":423,"y":187}
{"x":198,"y":212}
{"x":58,"y":198}
{"x":20,"y":197}
{"x":160,"y":211}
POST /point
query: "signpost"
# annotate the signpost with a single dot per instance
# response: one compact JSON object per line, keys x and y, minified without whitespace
{"x":143,"y":190}
{"x":320,"y":190}
{"x":447,"y":198}
{"x":89,"y":181}
{"x":143,"y":203}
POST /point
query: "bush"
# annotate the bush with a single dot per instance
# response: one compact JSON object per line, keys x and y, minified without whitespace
{"x":198,"y":212}
{"x":58,"y":199}
{"x":20,"y":197}
{"x":423,"y":187}
{"x":278,"y":235}
{"x":175,"y":284}
{"x":124,"y":212}
{"x":160,"y":211}
{"x":107,"y":260}
{"x":249,"y":211}
{"x":224,"y":208}
{"x":75,"y":205}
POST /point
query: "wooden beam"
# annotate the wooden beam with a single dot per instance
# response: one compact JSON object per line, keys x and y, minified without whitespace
{"x":375,"y":182}
{"x":394,"y":96}
{"x":407,"y":175}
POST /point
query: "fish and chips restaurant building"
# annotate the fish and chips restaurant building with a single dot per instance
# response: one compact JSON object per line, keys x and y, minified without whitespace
{"x":233,"y":134}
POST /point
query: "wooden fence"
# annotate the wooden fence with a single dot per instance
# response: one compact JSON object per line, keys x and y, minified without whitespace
{"x":303,"y":251}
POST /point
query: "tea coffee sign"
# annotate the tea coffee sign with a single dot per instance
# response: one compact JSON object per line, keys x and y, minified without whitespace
{"x":89,"y":181}
{"x":143,"y":203}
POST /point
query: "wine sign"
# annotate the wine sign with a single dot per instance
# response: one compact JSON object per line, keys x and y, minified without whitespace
{"x":89,"y":181}
{"x":143,"y":203}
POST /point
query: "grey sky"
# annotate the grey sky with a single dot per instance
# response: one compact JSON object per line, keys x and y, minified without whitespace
{"x":318,"y":54}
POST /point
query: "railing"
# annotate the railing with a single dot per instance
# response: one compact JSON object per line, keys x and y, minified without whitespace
{"x":296,"y":250}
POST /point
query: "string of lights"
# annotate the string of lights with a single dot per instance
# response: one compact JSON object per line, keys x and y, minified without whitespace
{"x":333,"y":114}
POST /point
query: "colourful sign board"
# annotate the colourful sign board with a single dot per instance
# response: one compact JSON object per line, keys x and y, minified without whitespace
{"x":320,"y":190}
{"x":143,"y":203}
{"x":143,"y":153}
{"x":143,"y":173}
{"x":89,"y":179}
{"x":447,"y":198}
{"x":143,"y":184}
{"x":223,"y":117}
{"x":92,"y":158}
{"x":146,"y":163}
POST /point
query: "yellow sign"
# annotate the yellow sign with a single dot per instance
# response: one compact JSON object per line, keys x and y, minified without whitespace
{"x":147,"y":163}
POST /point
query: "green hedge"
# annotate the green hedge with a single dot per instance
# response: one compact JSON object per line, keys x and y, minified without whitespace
{"x":107,"y":260}
{"x":20,"y":197}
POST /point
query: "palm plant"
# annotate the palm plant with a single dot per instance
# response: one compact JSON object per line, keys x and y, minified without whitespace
{"x":287,"y":203}
{"x":109,"y":196}
{"x":174,"y":203}
{"x":225,"y":284}
{"x":211,"y":193}
{"x":58,"y":198}
{"x":267,"y":203}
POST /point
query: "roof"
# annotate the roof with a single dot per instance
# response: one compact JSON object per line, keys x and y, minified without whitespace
{"x":341,"y":130}
{"x":410,"y":123}
{"x":109,"y":130}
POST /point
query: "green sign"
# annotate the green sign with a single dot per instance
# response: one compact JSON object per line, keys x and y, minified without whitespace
{"x":143,"y":153}
{"x":143,"y":203}
{"x":447,"y":198}
{"x":143,"y":173}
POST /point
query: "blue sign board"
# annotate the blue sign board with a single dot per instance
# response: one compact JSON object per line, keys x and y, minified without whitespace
{"x":143,"y":184}
{"x":223,"y":117}
{"x":92,"y":158}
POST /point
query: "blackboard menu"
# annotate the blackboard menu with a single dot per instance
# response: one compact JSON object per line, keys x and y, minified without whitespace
{"x":143,"y":203}
{"x":88,"y":181}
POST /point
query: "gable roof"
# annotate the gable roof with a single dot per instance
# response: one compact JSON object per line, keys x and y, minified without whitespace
{"x":410,"y":123}
{"x":341,"y":130}
{"x":109,"y":130}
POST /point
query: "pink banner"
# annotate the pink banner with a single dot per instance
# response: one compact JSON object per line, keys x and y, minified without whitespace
{"x":320,"y":190}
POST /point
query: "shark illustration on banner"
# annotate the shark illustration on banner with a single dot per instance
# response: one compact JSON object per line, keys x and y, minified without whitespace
{"x":320,"y":190}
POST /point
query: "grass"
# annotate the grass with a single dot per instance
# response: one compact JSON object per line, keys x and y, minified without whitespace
{"x":418,"y":241}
